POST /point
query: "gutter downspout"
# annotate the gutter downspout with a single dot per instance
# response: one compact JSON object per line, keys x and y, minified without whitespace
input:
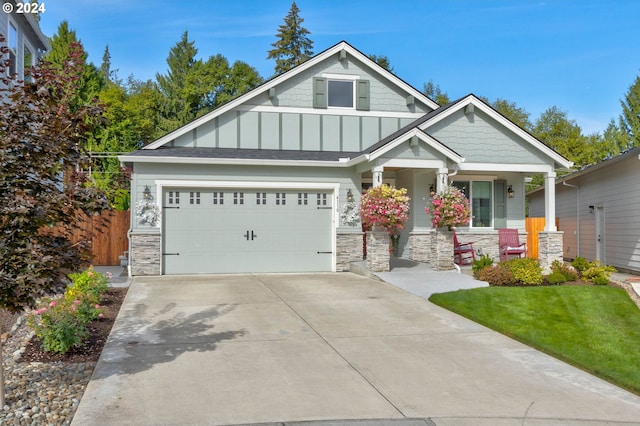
{"x":577,"y":188}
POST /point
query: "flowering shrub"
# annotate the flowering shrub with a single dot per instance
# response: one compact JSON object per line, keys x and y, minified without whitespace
{"x":61,"y":322}
{"x":449,"y":207}
{"x":386,"y":207}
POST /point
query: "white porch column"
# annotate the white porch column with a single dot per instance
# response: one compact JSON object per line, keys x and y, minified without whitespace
{"x":441,"y":178}
{"x":550,"y":202}
{"x":377,"y":175}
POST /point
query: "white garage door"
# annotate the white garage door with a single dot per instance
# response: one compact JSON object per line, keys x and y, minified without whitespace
{"x":209,"y":230}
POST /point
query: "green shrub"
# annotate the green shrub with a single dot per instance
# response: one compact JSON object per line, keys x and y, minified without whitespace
{"x":61,"y":323}
{"x":569,"y":272}
{"x":88,"y":285}
{"x":556,"y":278}
{"x":598,"y":273}
{"x":526,"y":271}
{"x":581,"y":264}
{"x":59,"y":326}
{"x":496,"y":276}
{"x":481,"y":263}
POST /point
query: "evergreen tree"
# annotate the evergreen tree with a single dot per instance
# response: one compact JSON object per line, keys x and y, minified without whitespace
{"x":510,"y":110}
{"x":434,"y":93}
{"x":630,"y":117}
{"x":383,"y":61}
{"x":293,"y":46}
{"x":180,"y":104}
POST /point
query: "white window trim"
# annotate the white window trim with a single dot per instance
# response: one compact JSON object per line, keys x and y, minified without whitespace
{"x":479,"y":178}
{"x":342,"y":77}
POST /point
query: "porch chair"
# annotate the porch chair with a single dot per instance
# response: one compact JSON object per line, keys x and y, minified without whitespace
{"x":463,"y":254}
{"x":509,"y":243}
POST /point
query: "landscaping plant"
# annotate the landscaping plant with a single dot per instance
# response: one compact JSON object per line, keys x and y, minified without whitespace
{"x":481,"y":263}
{"x":62,"y":322}
{"x":385,"y":207}
{"x":449,"y":207}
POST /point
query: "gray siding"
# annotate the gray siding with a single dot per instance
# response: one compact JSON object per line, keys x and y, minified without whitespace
{"x":478,"y":138}
{"x":615,"y":189}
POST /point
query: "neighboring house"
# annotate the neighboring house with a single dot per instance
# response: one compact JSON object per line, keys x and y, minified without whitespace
{"x":260,"y":184}
{"x":24,"y":39}
{"x":598,"y":208}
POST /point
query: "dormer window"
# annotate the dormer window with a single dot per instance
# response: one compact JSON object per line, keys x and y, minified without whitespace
{"x":341,"y":91}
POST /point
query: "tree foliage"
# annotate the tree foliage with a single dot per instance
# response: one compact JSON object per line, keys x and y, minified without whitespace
{"x":383,"y":61}
{"x":514,"y":113}
{"x":193,"y":87}
{"x":434,"y":93}
{"x":293,"y":47}
{"x":630,"y":117}
{"x":42,"y":135}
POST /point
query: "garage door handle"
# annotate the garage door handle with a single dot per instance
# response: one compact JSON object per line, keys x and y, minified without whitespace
{"x":165,"y":207}
{"x":325,"y":252}
{"x":325,"y":208}
{"x":171,"y":254}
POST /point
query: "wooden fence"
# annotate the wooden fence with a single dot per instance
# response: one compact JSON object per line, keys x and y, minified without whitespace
{"x":533,"y":225}
{"x":107,"y":233}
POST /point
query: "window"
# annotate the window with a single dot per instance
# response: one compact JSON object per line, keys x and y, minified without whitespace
{"x":261,"y":198}
{"x":280,"y":199}
{"x":321,"y":200}
{"x":340,"y":93}
{"x":238,"y":198}
{"x":13,"y":49}
{"x":302,"y":198}
{"x":480,"y":195}
{"x":174,"y":197}
{"x":27,"y":62}
{"x":218,"y":198}
{"x":194,"y":198}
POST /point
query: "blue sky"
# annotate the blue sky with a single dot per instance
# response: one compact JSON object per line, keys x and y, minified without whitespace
{"x":581,"y":56}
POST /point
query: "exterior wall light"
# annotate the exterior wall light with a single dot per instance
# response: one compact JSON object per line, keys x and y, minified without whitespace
{"x":349,"y":196}
{"x":432,"y":190}
{"x":510,"y":191}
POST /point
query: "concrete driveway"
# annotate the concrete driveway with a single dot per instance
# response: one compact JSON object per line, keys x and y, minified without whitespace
{"x":232,"y":349}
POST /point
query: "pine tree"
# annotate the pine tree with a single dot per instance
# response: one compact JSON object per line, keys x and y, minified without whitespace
{"x":630,"y":117}
{"x":293,"y":46}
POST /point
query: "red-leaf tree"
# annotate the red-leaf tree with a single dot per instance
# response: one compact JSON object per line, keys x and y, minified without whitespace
{"x":42,"y":130}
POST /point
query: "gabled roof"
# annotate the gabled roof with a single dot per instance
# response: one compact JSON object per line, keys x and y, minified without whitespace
{"x":334,"y":50}
{"x":471,"y":99}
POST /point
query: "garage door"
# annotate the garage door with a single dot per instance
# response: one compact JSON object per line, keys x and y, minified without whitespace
{"x":209,"y":230}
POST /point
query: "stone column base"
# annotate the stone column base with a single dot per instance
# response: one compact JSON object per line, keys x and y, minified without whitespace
{"x":378,"y":257}
{"x":442,"y":250}
{"x":144,"y":258}
{"x":549,"y":249}
{"x":348,"y":249}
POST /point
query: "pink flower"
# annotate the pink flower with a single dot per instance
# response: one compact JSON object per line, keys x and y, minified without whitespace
{"x":53,"y":303}
{"x":100,"y":316}
{"x":109,"y":275}
{"x":76,"y":302}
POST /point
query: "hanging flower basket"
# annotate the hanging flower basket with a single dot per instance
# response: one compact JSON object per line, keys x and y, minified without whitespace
{"x":384,"y":207}
{"x":450,"y":208}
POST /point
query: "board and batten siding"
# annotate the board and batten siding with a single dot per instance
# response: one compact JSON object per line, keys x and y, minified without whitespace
{"x":291,"y":131}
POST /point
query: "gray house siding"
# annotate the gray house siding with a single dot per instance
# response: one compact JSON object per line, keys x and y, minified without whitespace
{"x":479,"y":139}
{"x":612,"y":189}
{"x":29,"y":37}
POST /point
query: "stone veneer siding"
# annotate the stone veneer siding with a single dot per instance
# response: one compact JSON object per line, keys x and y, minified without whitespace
{"x":349,"y":248}
{"x":420,"y":246}
{"x":145,"y":253}
{"x":378,"y":257}
{"x":549,"y":249}
{"x":442,"y":250}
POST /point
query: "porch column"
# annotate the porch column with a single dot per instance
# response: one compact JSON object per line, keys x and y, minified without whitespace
{"x":442,"y":178}
{"x":377,"y":175}
{"x":550,"y":202}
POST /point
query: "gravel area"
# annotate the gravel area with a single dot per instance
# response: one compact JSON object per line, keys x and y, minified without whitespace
{"x":39,"y":393}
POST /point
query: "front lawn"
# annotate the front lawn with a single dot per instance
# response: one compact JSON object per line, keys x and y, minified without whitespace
{"x":595,"y":328}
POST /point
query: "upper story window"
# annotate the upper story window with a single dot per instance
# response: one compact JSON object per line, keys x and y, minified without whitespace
{"x":13,"y":49}
{"x":341,"y":91}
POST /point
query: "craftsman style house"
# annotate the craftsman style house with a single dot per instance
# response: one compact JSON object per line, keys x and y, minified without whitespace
{"x":262,"y":184}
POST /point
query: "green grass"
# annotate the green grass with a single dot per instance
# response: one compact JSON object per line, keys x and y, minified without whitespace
{"x":595,"y":328}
